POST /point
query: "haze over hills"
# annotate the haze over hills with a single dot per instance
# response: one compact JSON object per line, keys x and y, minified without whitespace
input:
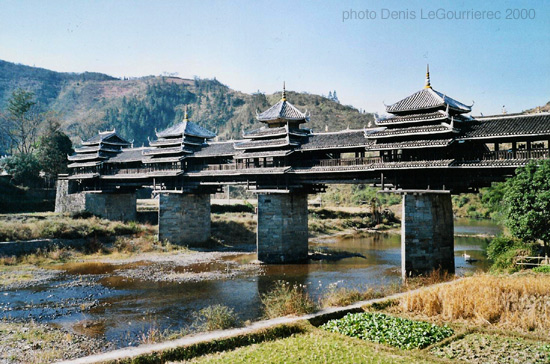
{"x":90,"y":102}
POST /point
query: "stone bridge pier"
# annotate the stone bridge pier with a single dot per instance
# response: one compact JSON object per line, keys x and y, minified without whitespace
{"x":427,"y":232}
{"x":109,"y":205}
{"x":282,"y":235}
{"x":184,"y":218}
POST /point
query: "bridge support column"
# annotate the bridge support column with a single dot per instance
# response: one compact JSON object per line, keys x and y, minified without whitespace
{"x":112,"y":206}
{"x":427,"y":228}
{"x":282,"y":234}
{"x":184,"y":218}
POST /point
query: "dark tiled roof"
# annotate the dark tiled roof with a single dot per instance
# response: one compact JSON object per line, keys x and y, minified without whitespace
{"x":342,"y":139}
{"x":186,"y":128}
{"x":170,"y":159}
{"x":283,"y":110}
{"x":416,"y":118}
{"x":85,"y":164}
{"x":128,"y":155}
{"x":413,"y":164}
{"x":513,"y":163}
{"x":174,"y":150}
{"x":426,"y":99}
{"x":107,"y":136}
{"x":216,"y":149}
{"x":267,"y":143}
{"x":83,"y":157}
{"x":416,"y":130}
{"x":508,"y":125}
{"x":411,"y":144}
{"x":268,"y":132}
{"x":269,"y":153}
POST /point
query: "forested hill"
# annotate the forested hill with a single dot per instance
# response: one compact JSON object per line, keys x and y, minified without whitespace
{"x":89,"y":102}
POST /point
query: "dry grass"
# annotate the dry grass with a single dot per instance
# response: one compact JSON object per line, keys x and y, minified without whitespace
{"x":342,"y":296}
{"x":517,"y":302}
{"x":40,"y":226}
{"x":286,"y":299}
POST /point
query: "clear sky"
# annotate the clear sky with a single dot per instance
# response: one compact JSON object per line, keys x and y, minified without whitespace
{"x":315,"y":46}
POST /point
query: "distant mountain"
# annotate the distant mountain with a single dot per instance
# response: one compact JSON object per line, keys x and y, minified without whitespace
{"x":544,"y":108}
{"x":89,"y":102}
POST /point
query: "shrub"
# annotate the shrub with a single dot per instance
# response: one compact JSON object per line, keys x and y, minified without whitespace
{"x":394,"y":331}
{"x":504,"y":251}
{"x":285,"y":299}
{"x":216,"y":317}
{"x":542,"y":269}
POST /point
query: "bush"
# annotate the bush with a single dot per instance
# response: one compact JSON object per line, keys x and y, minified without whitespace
{"x":384,"y":329}
{"x":503,"y":251}
{"x":216,"y":317}
{"x":542,"y":269}
{"x":285,"y":299}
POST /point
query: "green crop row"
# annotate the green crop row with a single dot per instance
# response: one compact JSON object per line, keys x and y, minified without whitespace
{"x":394,"y":331}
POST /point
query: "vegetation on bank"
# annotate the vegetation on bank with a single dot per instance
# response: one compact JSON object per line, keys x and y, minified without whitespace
{"x":524,"y":202}
{"x":384,"y":329}
{"x":57,"y":226}
{"x":516,"y":302}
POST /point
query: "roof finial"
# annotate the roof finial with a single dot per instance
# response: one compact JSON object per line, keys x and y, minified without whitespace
{"x":185,"y":116}
{"x":428,"y":85}
{"x":283,"y":98}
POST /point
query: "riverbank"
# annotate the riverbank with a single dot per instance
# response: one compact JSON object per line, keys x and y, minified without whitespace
{"x":133,"y":289}
{"x":487,"y":337}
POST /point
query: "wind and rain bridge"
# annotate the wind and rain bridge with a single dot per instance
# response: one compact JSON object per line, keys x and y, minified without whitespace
{"x":429,"y":148}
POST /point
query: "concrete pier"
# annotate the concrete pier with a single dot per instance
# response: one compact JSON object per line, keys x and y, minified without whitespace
{"x":184,"y":218}
{"x":282,"y":235}
{"x":427,"y":233}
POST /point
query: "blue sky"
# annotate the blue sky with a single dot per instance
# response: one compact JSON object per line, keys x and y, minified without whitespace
{"x":255,"y":45}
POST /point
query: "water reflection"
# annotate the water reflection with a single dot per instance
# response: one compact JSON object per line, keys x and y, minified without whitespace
{"x":94,"y":299}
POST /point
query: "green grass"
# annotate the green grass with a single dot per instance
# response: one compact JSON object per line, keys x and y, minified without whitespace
{"x":312,"y":347}
{"x":395,"y":331}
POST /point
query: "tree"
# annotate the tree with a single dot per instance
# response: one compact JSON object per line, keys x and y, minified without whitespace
{"x":24,"y":168}
{"x":53,"y":149}
{"x":19,"y":124}
{"x":527,"y":201}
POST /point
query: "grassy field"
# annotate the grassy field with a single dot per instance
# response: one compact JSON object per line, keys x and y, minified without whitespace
{"x":316,"y":346}
{"x":495,"y":319}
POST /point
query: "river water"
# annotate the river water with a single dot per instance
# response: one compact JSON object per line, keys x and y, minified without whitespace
{"x":90,"y":299}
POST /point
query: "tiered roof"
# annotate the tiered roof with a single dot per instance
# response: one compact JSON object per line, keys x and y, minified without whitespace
{"x":98,"y":149}
{"x":282,"y":112}
{"x":425,"y":119}
{"x":427,"y":100}
{"x":281,"y":136}
{"x":176,"y":142}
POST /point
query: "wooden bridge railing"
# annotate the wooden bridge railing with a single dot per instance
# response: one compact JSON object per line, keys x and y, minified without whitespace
{"x":519,"y":154}
{"x":340,"y":162}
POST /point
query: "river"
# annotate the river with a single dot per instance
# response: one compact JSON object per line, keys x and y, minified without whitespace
{"x":95,"y":301}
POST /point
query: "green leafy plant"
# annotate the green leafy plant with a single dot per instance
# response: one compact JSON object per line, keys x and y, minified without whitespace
{"x":542,"y":269}
{"x":385,"y":329}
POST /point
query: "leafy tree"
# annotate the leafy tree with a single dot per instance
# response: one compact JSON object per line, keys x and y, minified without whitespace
{"x":20,"y":122}
{"x":24,"y":168}
{"x":527,"y":201}
{"x":53,"y":149}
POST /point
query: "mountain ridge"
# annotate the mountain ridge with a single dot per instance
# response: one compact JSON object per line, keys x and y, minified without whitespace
{"x":88,"y":102}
